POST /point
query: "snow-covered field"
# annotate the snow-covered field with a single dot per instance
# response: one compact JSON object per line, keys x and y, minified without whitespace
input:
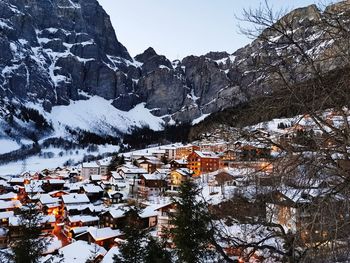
{"x":38,"y":163}
{"x":8,"y":146}
{"x":98,"y":115}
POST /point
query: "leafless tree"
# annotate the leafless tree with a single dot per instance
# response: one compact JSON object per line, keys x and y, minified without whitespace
{"x":302,"y":69}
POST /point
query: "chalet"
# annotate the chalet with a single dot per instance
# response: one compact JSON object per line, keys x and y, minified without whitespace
{"x":93,"y":192}
{"x":203,"y":162}
{"x":163,"y":218}
{"x":113,"y":197}
{"x":130,"y":172}
{"x":75,"y":199}
{"x":47,"y":225}
{"x":103,"y":237}
{"x":9,"y":205}
{"x":148,"y":216}
{"x":3,"y":237}
{"x":115,"y":182}
{"x":229,"y":156}
{"x":80,"y":251}
{"x":16,"y":181}
{"x":49,"y":205}
{"x":249,"y":152}
{"x":176,"y":164}
{"x":53,"y":185}
{"x":178,"y":176}
{"x":214,"y":147}
{"x":58,"y":194}
{"x":79,"y":221}
{"x":183,"y":152}
{"x":152,"y":184}
{"x":9,"y":196}
{"x":4,"y":217}
{"x":34,"y":189}
{"x":95,"y":178}
{"x":149,"y":164}
{"x":114,"y":217}
{"x":304,"y":212}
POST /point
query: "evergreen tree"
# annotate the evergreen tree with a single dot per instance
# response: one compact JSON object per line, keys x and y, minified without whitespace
{"x":28,"y":248}
{"x":115,"y":162}
{"x":133,"y":251}
{"x":190,"y":225}
{"x":156,"y":252}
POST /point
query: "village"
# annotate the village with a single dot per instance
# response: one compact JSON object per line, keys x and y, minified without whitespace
{"x":84,"y":206}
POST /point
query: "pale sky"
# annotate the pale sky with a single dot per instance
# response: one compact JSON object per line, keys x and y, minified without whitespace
{"x":178,"y":28}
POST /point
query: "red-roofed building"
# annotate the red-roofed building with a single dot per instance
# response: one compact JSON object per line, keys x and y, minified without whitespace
{"x":203,"y":162}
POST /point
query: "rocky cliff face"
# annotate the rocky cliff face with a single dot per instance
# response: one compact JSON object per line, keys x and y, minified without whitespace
{"x":58,"y":51}
{"x":52,"y":52}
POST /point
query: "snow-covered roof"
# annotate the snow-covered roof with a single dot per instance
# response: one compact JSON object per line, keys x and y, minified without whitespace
{"x":126,"y":170}
{"x":55,"y":181}
{"x":53,"y":244}
{"x":10,"y":195}
{"x":15,"y":220}
{"x":80,"y":229}
{"x":184,"y":171}
{"x":10,"y":204}
{"x":75,"y":198}
{"x":47,"y":199}
{"x":180,"y":161}
{"x":149,"y":211}
{"x":6,"y":214}
{"x":80,"y":207}
{"x":83,"y":218}
{"x":91,"y":188}
{"x":206,"y":154}
{"x":16,"y":180}
{"x":80,"y":251}
{"x":118,"y":212}
{"x":34,"y":187}
{"x":90,"y":165}
{"x":96,"y":177}
{"x":103,"y":233}
{"x":108,"y":258}
{"x":155,"y":176}
{"x":117,"y":176}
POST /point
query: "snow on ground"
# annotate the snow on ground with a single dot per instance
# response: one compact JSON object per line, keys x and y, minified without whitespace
{"x":98,"y":115}
{"x":199,"y":119}
{"x":150,"y":150}
{"x":7,"y":145}
{"x":38,"y":163}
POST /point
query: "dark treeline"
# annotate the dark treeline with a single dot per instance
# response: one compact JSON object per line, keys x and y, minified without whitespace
{"x":86,"y":138}
{"x":24,"y":152}
{"x":142,"y":137}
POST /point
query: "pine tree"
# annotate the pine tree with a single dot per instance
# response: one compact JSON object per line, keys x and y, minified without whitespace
{"x":156,"y":252}
{"x":28,"y":248}
{"x":133,"y":251}
{"x":190,"y":225}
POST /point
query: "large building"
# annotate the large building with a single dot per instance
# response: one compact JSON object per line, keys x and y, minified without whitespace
{"x":203,"y":162}
{"x":184,"y":151}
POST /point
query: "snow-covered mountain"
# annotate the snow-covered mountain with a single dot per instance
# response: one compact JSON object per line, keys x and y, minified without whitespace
{"x":63,"y":71}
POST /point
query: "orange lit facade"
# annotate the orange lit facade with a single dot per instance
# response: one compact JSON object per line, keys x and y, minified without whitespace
{"x":203,"y":162}
{"x":184,"y":151}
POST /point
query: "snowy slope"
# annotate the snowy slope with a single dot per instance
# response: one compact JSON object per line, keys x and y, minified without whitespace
{"x":98,"y":115}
